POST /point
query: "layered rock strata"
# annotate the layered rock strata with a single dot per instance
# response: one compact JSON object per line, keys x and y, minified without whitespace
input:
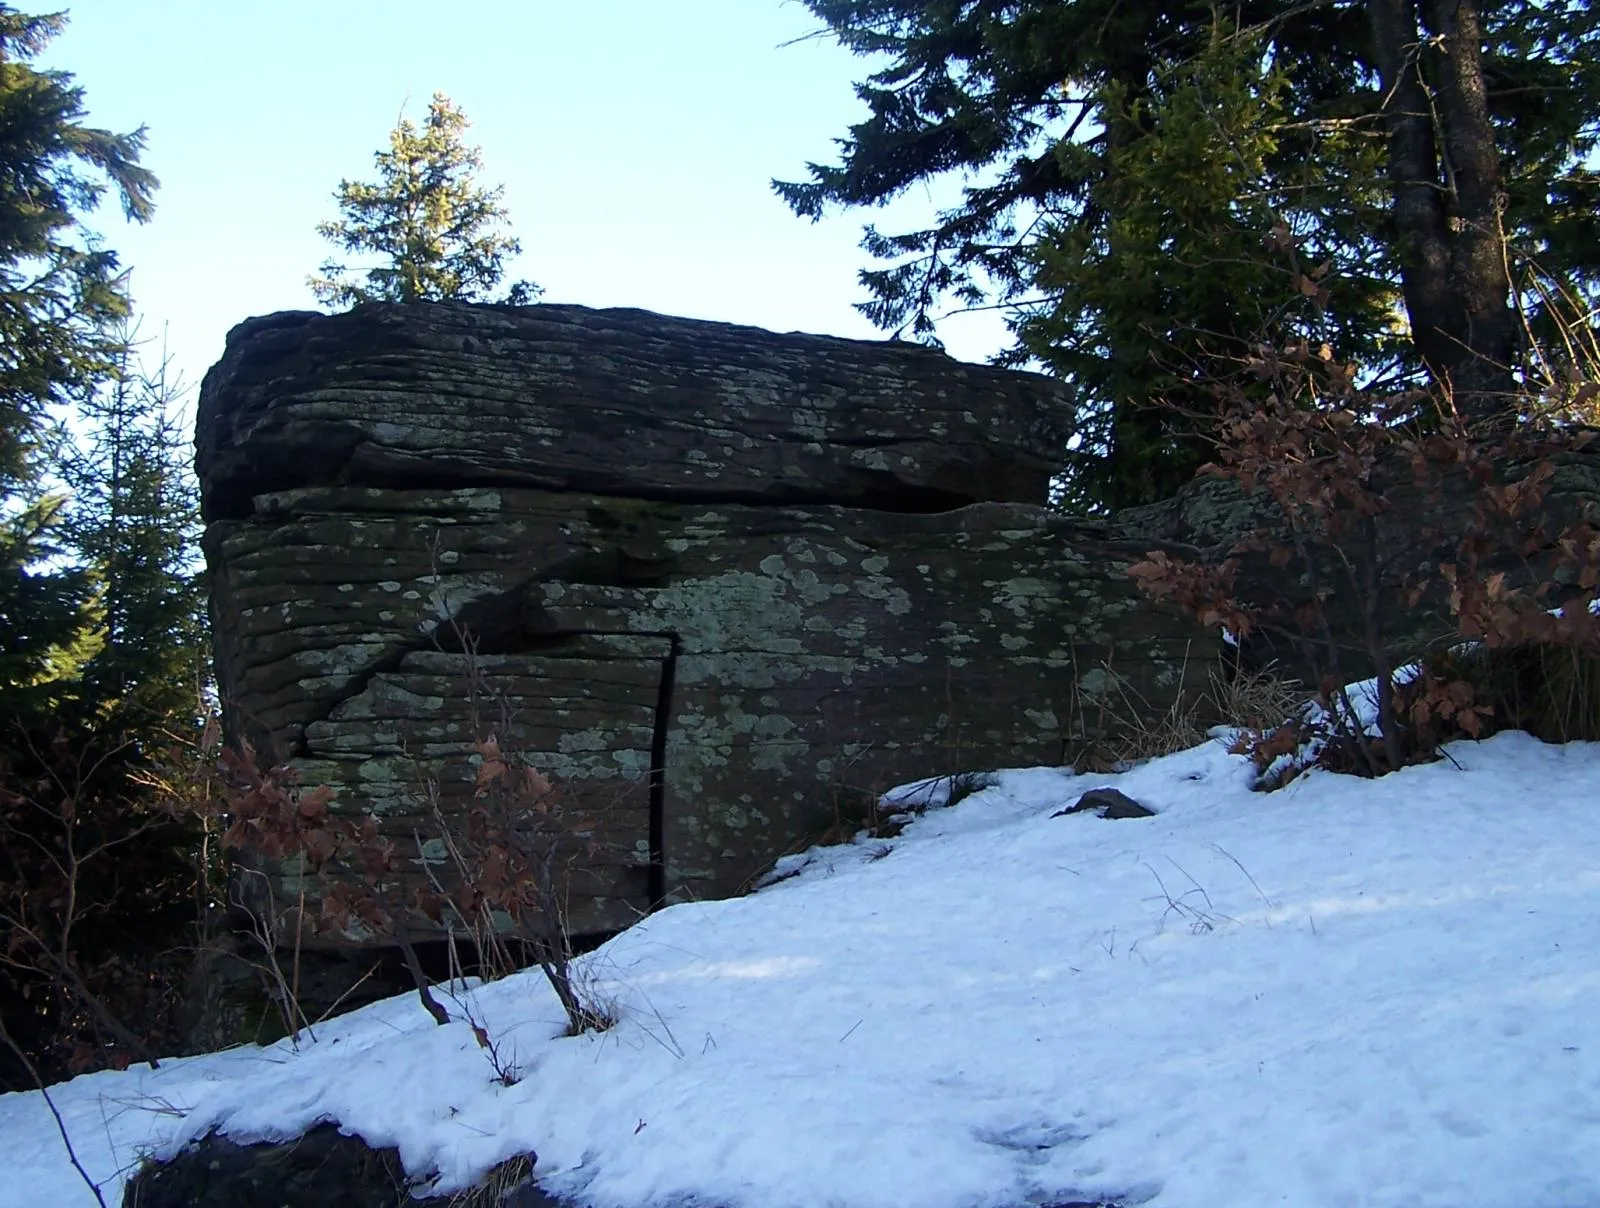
{"x":722,"y":584}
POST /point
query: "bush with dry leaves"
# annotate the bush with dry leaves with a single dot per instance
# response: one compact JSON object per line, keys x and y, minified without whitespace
{"x":497,"y":890}
{"x":1361,"y":532}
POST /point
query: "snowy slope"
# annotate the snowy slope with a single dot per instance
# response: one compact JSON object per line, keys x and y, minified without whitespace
{"x":1345,"y":993}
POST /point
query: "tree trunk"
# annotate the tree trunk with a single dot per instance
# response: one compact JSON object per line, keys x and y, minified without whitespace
{"x":1445,"y":172}
{"x":1478,"y":263}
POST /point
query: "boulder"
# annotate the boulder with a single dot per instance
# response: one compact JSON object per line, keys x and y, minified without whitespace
{"x":324,"y":1168}
{"x":714,"y":667}
{"x":1107,"y":803}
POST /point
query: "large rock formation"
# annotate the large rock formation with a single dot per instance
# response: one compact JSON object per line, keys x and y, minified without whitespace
{"x":722,"y":580}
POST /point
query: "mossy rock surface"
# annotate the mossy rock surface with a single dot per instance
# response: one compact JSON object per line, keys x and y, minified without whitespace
{"x":716,"y":580}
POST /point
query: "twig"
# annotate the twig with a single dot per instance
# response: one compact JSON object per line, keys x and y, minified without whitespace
{"x":1246,"y":872}
{"x":413,"y":966}
{"x":55,"y":1113}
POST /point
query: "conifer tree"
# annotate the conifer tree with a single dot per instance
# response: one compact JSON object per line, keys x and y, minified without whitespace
{"x":1151,"y":185}
{"x":62,"y":302}
{"x":48,"y":626}
{"x":97,"y":595}
{"x":61,"y":293}
{"x":437,"y":232}
{"x":98,"y":866}
{"x":133,"y":525}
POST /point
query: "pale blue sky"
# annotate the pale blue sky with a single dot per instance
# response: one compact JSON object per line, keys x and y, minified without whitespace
{"x":635,"y":138}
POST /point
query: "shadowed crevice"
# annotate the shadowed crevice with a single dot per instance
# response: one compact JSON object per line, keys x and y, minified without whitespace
{"x":658,"y":776}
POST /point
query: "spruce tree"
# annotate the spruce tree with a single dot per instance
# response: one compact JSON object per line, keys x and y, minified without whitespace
{"x":133,"y":526}
{"x":62,"y":303}
{"x":98,"y":599}
{"x":48,"y":623}
{"x":98,"y":862}
{"x":1150,"y":186}
{"x":61,"y":291}
{"x":437,"y":231}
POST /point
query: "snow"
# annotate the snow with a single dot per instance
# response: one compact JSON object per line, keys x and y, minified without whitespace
{"x":1374,"y":993}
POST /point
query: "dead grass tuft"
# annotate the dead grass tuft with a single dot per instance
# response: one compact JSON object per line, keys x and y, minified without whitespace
{"x":1129,"y":731}
{"x":498,"y":1186}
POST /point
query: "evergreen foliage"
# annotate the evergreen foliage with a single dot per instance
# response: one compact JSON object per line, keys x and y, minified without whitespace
{"x":100,"y":864}
{"x":100,"y":634}
{"x":1151,"y":188}
{"x":62,"y":304}
{"x":436,"y":230}
{"x":47,"y":621}
{"x":61,"y":292}
{"x":134,"y":525}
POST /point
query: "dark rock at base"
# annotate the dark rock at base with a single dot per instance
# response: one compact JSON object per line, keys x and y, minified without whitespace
{"x":322,"y":1169}
{"x":529,"y":1196}
{"x":329,"y":1169}
{"x":1111,"y":803}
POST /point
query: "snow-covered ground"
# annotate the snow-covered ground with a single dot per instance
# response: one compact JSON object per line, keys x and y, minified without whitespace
{"x":1343,"y":993}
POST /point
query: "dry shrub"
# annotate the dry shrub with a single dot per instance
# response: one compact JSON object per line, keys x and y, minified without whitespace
{"x":104,"y":887}
{"x":506,"y":852}
{"x":1548,"y":689}
{"x":1332,"y":460}
{"x":497,"y":888}
{"x":1116,"y":727}
{"x":503,"y":1184}
{"x":1259,"y":699}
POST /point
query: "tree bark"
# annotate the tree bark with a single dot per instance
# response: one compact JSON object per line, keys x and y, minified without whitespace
{"x":1478,"y":274}
{"x":1444,"y":170}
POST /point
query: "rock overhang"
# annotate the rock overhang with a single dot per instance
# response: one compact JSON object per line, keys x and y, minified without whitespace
{"x":551,"y":397}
